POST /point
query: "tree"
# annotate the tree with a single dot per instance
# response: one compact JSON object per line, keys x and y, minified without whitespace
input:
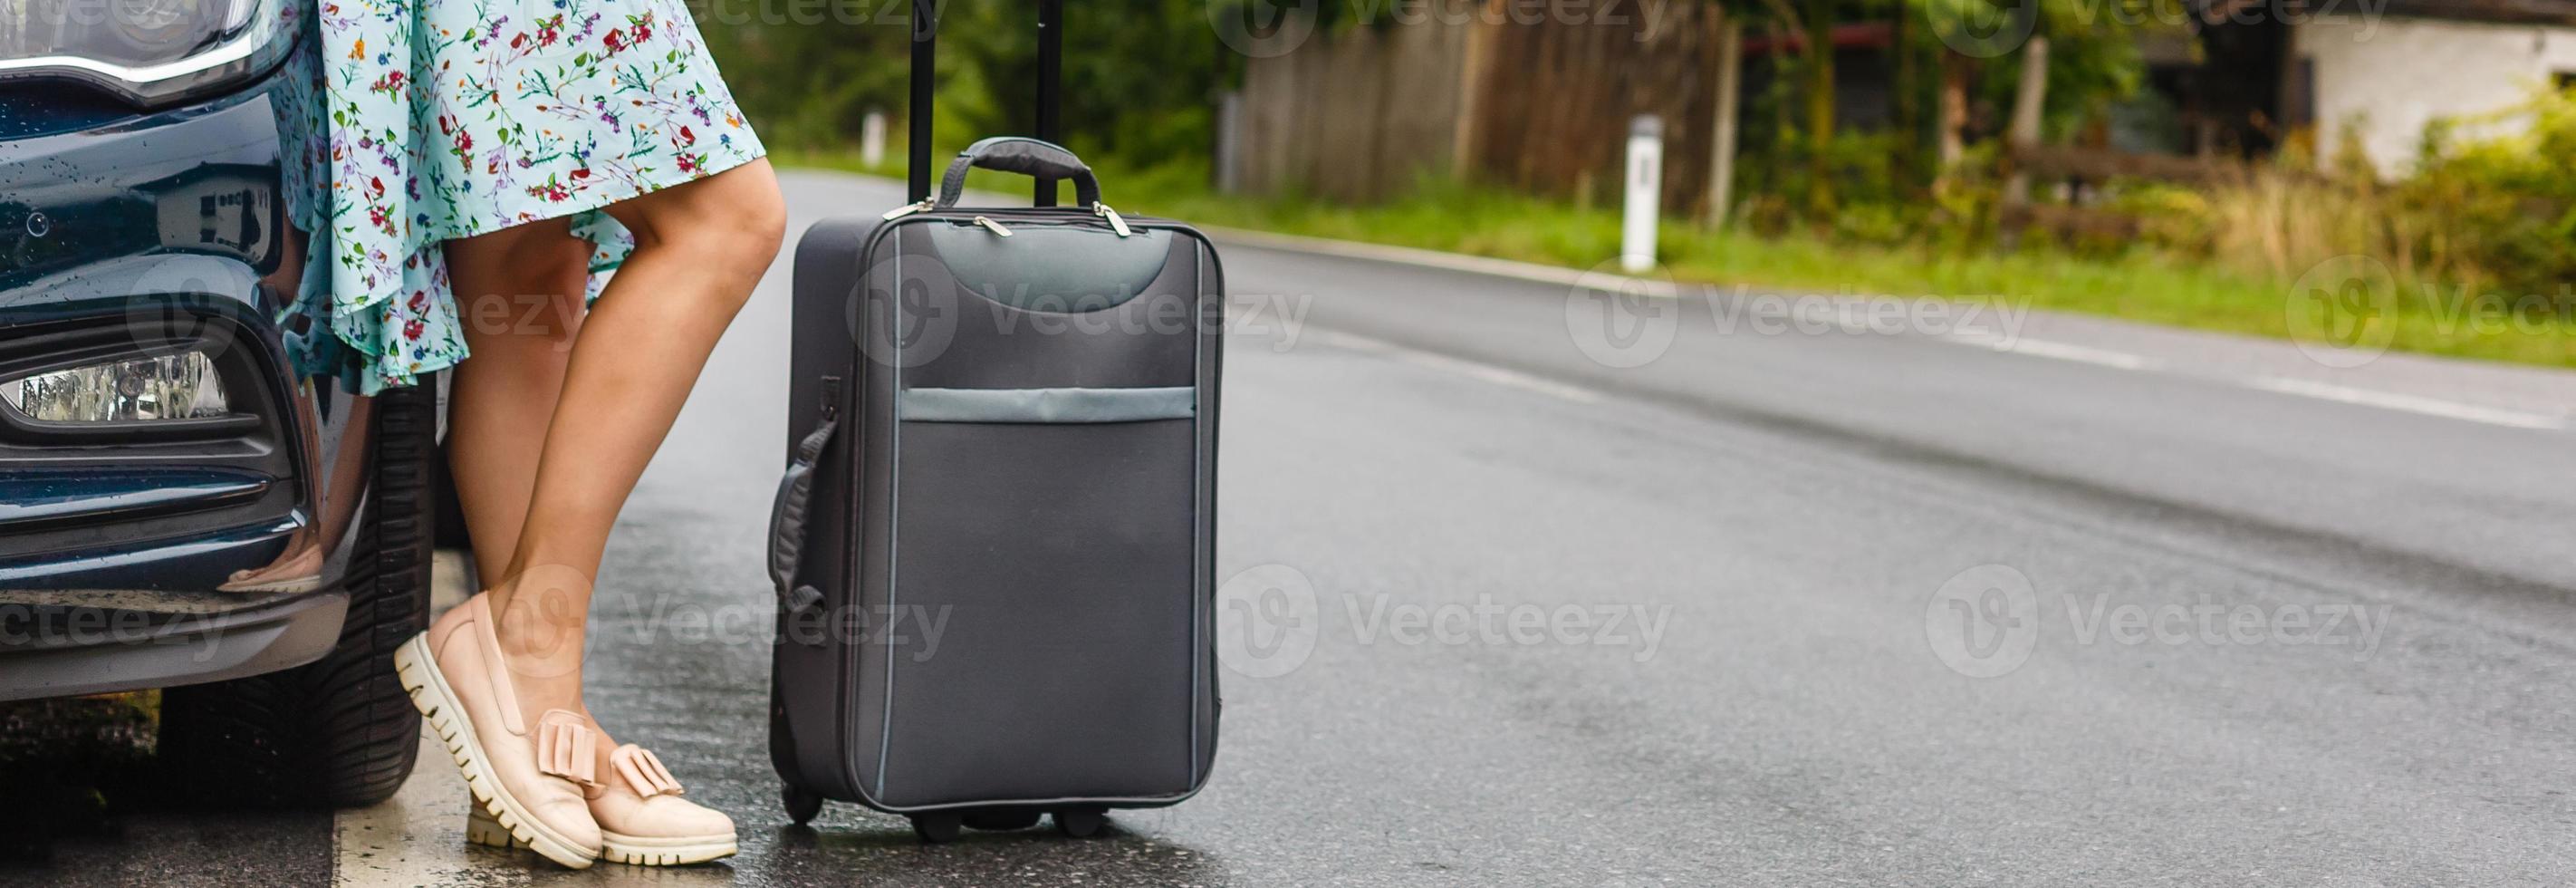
{"x":1819,"y":26}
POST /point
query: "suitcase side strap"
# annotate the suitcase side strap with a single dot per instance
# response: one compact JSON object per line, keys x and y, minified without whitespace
{"x":787,"y":517}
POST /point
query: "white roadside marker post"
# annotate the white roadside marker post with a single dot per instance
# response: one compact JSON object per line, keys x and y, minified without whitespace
{"x":1645,"y":193}
{"x":872,"y":131}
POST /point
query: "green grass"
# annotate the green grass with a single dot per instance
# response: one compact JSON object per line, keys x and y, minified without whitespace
{"x":1484,"y":222}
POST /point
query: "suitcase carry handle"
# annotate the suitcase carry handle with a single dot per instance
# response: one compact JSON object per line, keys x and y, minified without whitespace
{"x":787,"y":518}
{"x":1023,"y":155}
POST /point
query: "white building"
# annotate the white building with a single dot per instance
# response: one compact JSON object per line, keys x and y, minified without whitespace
{"x":2386,"y":74}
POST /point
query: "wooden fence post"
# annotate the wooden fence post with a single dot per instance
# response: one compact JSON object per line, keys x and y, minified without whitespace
{"x":1730,"y":73}
{"x":2027,"y":104}
{"x":1471,"y":92}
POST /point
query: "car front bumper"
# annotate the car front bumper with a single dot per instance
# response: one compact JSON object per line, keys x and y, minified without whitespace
{"x":97,"y":642}
{"x":125,"y":233}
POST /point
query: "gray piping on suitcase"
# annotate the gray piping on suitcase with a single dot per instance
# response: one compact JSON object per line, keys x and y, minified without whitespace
{"x":1049,"y":405}
{"x":1198,"y":482}
{"x":894,"y":511}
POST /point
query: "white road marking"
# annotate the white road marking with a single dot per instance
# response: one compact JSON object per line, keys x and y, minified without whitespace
{"x":2409,"y":403}
{"x":2063,"y":351}
{"x":418,"y":836}
{"x":1463,"y":367}
{"x":447,"y":580}
{"x":2039,"y":348}
{"x":2343,"y":394}
{"x":2084,"y":354}
{"x":415,"y":838}
{"x":1484,"y":265}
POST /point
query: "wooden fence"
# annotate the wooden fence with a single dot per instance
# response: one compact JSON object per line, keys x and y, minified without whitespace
{"x":1353,"y":116}
{"x":1540,"y":104}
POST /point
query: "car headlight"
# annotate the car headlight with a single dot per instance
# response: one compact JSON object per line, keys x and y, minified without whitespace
{"x":180,"y":386}
{"x":150,"y":51}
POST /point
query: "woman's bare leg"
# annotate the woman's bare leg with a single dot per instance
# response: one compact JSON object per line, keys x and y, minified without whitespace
{"x":311,"y":547}
{"x":699,"y":249}
{"x":336,"y":505}
{"x":518,"y":294}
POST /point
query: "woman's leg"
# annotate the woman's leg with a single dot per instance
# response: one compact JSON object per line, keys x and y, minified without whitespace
{"x":302,"y":556}
{"x":699,"y":249}
{"x":518,"y":294}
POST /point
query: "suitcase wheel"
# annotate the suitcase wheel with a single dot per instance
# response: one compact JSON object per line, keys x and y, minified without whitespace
{"x":937,"y":826}
{"x":801,"y":805}
{"x":1001,"y":819}
{"x":1080,"y":823}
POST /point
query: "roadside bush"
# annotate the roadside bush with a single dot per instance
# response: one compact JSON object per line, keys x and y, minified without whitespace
{"x":2485,"y":223}
{"x":2504,"y":208}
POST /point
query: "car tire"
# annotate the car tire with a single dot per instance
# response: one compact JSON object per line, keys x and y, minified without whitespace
{"x":340,"y":731}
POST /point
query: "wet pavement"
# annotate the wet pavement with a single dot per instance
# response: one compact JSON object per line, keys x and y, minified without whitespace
{"x":1542,"y":620}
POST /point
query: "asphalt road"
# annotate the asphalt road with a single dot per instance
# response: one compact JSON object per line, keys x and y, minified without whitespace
{"x":1783,"y":607}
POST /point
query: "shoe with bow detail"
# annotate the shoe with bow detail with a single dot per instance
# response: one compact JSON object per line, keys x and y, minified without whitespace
{"x":531,"y":780}
{"x":642,"y":819}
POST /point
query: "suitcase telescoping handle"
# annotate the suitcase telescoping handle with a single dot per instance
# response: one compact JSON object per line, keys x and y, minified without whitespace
{"x":925,"y":70}
{"x":1019,"y":154}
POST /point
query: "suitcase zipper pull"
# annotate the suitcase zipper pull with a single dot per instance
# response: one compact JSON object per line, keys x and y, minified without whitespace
{"x":1115,"y":221}
{"x":907,"y":209}
{"x":995,"y":226}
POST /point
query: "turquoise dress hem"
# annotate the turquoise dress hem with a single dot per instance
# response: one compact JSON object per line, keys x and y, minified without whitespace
{"x":441,"y":119}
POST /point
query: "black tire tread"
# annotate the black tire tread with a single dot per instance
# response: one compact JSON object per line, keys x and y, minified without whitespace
{"x":341,"y":731}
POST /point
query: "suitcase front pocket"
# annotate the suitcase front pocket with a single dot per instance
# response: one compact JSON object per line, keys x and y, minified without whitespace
{"x":1050,"y":536}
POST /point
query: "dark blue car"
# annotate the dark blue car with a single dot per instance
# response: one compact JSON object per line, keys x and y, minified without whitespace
{"x":188,"y":500}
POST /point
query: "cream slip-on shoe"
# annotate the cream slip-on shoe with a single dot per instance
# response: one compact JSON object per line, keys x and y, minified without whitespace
{"x":642,"y":819}
{"x":529,"y":779}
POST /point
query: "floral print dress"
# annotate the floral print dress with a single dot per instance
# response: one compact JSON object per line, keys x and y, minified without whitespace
{"x":450,"y":118}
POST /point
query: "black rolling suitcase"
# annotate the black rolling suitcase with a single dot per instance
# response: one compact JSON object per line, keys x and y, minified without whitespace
{"x":995,"y":545}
